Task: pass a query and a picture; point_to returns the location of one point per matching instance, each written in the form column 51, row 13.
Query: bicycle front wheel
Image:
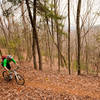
column 5, row 76
column 19, row 79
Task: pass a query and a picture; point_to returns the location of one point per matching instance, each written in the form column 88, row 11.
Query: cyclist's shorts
column 8, row 66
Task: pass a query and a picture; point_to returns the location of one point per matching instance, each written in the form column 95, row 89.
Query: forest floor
column 50, row 85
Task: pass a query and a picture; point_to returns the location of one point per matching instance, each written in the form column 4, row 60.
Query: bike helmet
column 9, row 57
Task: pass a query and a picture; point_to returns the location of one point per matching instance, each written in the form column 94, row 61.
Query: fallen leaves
column 50, row 85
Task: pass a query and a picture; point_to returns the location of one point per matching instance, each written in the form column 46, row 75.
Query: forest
column 56, row 45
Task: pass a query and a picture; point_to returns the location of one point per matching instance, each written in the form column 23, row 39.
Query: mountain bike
column 18, row 78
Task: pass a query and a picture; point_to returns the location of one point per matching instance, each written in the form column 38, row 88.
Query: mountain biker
column 6, row 62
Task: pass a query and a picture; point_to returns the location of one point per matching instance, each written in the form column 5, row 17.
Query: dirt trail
column 50, row 86
column 64, row 89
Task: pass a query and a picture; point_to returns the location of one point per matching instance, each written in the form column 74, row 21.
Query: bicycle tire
column 19, row 81
column 5, row 76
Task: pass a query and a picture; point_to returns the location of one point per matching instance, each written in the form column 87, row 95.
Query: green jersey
column 6, row 61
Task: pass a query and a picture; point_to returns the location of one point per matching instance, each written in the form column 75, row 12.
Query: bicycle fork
column 16, row 75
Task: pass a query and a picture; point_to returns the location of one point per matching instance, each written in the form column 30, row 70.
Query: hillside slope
column 50, row 86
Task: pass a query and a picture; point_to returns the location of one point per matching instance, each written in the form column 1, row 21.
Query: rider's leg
column 9, row 67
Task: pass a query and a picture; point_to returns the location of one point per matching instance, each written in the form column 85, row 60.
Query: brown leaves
column 51, row 85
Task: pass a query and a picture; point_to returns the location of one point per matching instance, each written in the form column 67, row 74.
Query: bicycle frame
column 15, row 73
column 19, row 79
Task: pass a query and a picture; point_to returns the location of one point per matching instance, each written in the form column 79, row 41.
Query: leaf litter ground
column 50, row 85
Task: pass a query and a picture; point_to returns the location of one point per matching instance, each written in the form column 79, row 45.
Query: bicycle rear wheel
column 6, row 76
column 19, row 79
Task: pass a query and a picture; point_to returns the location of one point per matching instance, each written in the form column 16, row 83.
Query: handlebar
column 15, row 69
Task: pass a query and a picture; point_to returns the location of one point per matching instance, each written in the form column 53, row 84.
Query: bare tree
column 69, row 36
column 35, row 37
column 58, row 35
column 78, row 36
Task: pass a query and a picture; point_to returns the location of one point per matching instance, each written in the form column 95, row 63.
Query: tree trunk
column 25, row 32
column 58, row 36
column 69, row 36
column 48, row 38
column 36, row 36
column 78, row 35
column 34, row 32
column 52, row 46
column 86, row 55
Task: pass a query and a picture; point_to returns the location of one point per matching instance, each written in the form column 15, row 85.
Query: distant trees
column 39, row 32
column 11, row 31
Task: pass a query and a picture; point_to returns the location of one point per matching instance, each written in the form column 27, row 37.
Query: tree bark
column 69, row 36
column 78, row 36
column 36, row 36
column 58, row 36
column 34, row 32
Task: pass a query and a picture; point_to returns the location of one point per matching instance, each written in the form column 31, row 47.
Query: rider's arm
column 7, row 69
column 5, row 64
column 13, row 60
